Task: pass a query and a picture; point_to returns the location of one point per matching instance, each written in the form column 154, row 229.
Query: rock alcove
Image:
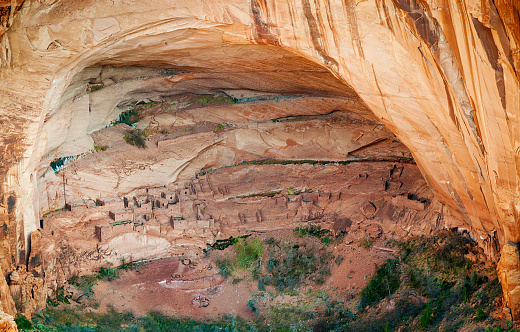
column 221, row 83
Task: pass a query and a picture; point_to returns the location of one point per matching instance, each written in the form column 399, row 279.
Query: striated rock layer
column 442, row 75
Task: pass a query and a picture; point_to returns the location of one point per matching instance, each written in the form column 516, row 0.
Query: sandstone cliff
column 442, row 75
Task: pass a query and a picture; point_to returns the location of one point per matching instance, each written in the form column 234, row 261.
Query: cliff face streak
column 442, row 75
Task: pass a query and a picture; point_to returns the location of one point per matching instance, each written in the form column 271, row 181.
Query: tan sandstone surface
column 440, row 75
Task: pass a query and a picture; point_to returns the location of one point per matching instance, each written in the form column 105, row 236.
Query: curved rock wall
column 442, row 75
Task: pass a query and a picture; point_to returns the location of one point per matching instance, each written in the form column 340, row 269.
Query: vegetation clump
column 133, row 114
column 23, row 323
column 93, row 87
column 128, row 117
column 58, row 163
column 429, row 285
column 384, row 283
column 290, row 267
column 72, row 320
column 214, row 100
column 57, row 210
column 225, row 267
column 223, row 244
column 311, row 230
column 248, row 254
column 135, row 138
column 456, row 291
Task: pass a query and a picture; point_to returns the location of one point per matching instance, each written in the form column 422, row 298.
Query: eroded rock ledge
column 443, row 77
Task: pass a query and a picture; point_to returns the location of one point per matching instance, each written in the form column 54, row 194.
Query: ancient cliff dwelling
column 298, row 165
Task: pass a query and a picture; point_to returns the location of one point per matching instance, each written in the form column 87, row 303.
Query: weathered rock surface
column 7, row 323
column 441, row 75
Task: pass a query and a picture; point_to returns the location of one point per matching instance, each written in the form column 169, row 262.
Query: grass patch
column 57, row 210
column 70, row 320
column 249, row 254
column 216, row 100
column 100, row 148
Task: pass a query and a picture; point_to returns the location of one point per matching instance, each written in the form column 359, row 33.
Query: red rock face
column 442, row 76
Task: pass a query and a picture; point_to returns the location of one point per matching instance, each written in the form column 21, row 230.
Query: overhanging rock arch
column 426, row 72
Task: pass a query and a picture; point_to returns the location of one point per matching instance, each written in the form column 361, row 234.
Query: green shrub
column 23, row 323
column 62, row 296
column 292, row 191
column 426, row 317
column 366, row 243
column 135, row 138
column 128, row 117
column 93, row 87
column 52, row 302
column 385, row 282
column 223, row 244
column 135, row 266
column 327, row 240
column 220, row 127
column 251, row 305
column 480, row 315
column 225, row 268
column 59, row 163
column 301, row 231
column 311, row 230
column 249, row 254
column 100, row 148
column 84, row 283
column 296, row 264
column 272, row 242
column 108, row 273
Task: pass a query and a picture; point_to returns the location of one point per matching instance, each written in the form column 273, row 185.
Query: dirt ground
column 169, row 286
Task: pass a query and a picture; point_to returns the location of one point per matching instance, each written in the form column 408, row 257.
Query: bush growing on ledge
column 384, row 283
column 23, row 323
column 110, row 273
column 128, row 117
column 294, row 264
column 249, row 254
column 136, row 138
column 100, row 148
column 225, row 268
column 84, row 283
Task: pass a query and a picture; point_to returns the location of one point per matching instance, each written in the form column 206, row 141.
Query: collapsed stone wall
column 443, row 76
